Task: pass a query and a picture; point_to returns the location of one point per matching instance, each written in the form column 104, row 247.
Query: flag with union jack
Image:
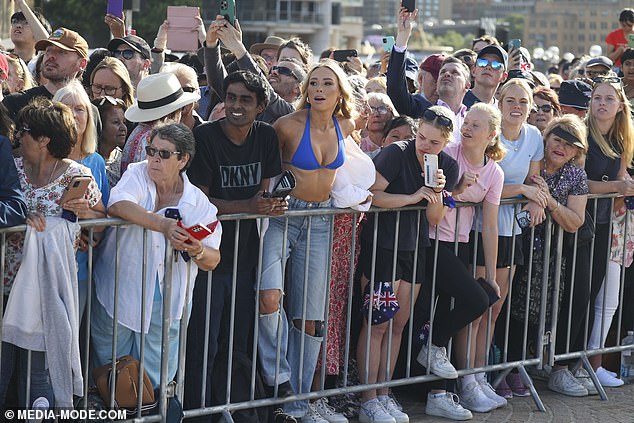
column 383, row 300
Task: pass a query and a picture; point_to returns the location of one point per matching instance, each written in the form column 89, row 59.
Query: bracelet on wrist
column 201, row 254
column 437, row 192
column 556, row 207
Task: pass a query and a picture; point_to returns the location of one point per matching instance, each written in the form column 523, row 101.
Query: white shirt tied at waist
column 194, row 207
column 354, row 179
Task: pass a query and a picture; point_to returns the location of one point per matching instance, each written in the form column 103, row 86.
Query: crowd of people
column 168, row 145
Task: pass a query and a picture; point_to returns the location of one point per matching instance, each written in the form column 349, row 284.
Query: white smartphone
column 431, row 167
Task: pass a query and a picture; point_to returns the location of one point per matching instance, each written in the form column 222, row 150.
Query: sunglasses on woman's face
column 163, row 154
column 431, row 116
column 495, row 65
column 545, row 108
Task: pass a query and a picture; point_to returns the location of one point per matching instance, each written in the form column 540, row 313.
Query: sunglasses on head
column 127, row 54
column 431, row 116
column 468, row 60
column 606, row 79
column 99, row 102
column 283, row 70
column 546, row 108
column 163, row 154
column 19, row 132
column 495, row 65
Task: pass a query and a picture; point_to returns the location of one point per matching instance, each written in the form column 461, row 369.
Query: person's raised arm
column 214, row 68
column 116, row 25
column 38, row 30
column 158, row 49
column 404, row 102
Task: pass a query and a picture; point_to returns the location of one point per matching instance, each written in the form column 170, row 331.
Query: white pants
column 611, row 287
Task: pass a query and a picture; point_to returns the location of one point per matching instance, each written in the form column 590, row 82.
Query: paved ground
column 559, row 408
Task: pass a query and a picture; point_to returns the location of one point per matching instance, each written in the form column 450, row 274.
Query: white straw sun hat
column 158, row 95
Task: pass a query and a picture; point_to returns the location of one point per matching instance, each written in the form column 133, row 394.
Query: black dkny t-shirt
column 235, row 172
column 398, row 164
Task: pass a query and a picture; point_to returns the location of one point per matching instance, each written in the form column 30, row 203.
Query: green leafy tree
column 86, row 17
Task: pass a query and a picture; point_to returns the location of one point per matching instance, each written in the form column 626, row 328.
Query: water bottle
column 627, row 359
column 40, row 404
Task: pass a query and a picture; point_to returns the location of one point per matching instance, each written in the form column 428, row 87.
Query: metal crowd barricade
column 544, row 338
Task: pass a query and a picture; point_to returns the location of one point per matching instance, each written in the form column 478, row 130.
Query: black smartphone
column 523, row 219
column 284, row 186
column 410, row 5
column 228, row 10
column 515, row 44
column 173, row 213
column 342, row 55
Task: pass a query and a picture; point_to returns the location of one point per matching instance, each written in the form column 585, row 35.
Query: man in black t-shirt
column 235, row 159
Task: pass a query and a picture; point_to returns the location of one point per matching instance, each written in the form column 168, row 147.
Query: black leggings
column 453, row 279
column 585, row 290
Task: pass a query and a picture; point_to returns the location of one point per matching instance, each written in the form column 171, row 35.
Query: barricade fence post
column 547, row 351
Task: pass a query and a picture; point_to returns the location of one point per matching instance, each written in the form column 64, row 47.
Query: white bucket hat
column 158, row 95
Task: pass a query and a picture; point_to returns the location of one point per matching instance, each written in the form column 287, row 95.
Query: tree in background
column 86, row 17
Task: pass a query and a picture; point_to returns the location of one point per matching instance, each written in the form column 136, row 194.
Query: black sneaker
column 279, row 416
column 284, row 390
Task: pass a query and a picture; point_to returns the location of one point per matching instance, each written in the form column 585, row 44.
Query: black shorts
column 384, row 271
column 504, row 250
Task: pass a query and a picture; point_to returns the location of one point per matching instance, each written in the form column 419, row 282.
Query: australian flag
column 384, row 303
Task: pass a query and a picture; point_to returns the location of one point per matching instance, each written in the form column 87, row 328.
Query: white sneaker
column 564, row 382
column 584, row 378
column 488, row 390
column 312, row 416
column 472, row 398
column 448, row 406
column 394, row 410
column 327, row 412
column 372, row 411
column 608, row 378
column 439, row 365
column 609, row 372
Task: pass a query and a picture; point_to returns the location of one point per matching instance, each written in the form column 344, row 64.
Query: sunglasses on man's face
column 127, row 54
column 163, row 154
column 431, row 116
column 283, row 70
column 495, row 65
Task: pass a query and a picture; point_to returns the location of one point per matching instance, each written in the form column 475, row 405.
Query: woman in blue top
column 84, row 152
column 323, row 117
column 525, row 150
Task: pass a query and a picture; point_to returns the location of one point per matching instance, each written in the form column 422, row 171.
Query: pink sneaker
column 504, row 390
column 514, row 381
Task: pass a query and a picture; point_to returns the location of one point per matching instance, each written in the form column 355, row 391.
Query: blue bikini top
column 304, row 157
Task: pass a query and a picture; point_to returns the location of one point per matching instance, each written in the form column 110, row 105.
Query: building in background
column 320, row 23
column 572, row 25
column 6, row 10
column 469, row 9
